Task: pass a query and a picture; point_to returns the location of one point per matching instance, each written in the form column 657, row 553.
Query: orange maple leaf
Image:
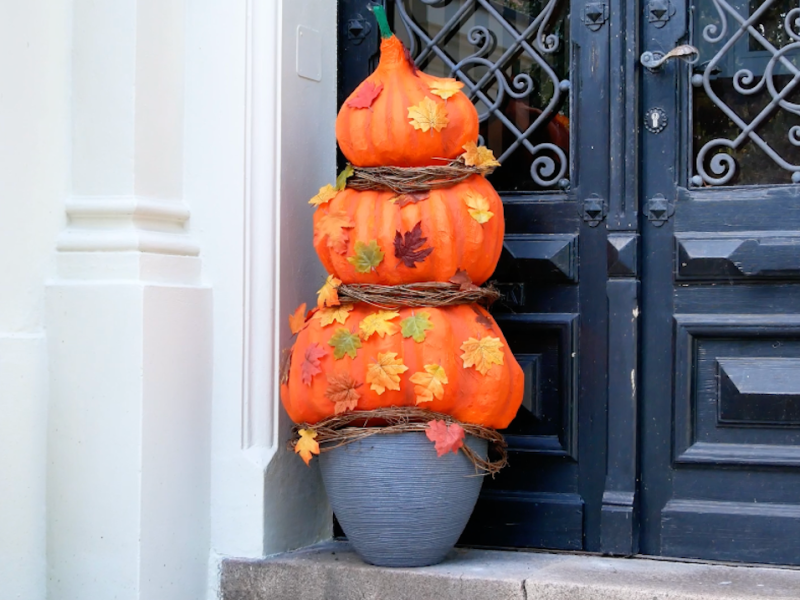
column 482, row 353
column 384, row 374
column 429, row 383
column 310, row 366
column 342, row 392
column 337, row 314
column 335, row 226
column 479, row 156
column 446, row 437
column 298, row 319
column 428, row 115
column 307, row 445
column 327, row 294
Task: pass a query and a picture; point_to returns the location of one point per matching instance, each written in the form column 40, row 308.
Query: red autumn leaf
column 463, row 279
column 365, row 95
column 410, row 198
column 446, row 437
column 482, row 318
column 310, row 366
column 408, row 247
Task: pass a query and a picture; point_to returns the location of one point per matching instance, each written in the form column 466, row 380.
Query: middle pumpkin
column 421, row 237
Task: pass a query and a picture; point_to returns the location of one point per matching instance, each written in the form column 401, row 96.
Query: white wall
column 34, row 175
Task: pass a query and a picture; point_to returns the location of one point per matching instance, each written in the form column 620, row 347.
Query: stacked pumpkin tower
column 356, row 356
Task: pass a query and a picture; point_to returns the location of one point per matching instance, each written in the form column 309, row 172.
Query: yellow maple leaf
column 306, row 446
column 338, row 314
column 327, row 294
column 430, row 383
column 482, row 353
column 478, row 206
column 385, row 373
column 326, row 194
column 379, row 323
column 428, row 115
column 445, row 87
column 298, row 319
column 335, row 226
column 478, row 156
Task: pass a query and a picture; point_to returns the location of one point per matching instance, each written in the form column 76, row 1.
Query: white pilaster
column 129, row 324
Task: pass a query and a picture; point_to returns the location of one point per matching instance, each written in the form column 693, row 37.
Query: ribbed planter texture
column 400, row 504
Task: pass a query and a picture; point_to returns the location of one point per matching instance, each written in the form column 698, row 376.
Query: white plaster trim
column 125, row 224
column 262, row 234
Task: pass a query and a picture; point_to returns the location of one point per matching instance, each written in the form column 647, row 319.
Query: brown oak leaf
column 463, row 279
column 342, row 392
column 446, row 437
column 365, row 95
column 410, row 198
column 310, row 366
column 286, row 362
column 408, row 247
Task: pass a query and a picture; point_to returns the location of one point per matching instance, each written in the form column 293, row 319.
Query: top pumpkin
column 402, row 117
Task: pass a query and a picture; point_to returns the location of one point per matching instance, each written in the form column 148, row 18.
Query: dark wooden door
column 652, row 285
column 720, row 381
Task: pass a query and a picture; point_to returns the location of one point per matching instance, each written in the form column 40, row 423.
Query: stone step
column 332, row 571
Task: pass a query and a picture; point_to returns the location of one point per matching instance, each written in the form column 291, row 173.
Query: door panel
column 720, row 437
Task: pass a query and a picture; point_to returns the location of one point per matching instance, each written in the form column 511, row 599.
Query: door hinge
column 659, row 12
column 659, row 210
column 594, row 210
column 595, row 14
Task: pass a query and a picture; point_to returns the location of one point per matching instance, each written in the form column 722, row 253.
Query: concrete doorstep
column 332, row 571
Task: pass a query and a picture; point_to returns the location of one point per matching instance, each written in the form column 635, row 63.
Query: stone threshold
column 332, row 571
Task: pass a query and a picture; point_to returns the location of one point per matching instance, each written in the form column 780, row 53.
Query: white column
column 129, row 323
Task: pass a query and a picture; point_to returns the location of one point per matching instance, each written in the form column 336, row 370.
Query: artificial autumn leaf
column 365, row 95
column 310, row 365
column 410, row 198
column 428, row 115
column 335, row 226
column 342, row 392
column 379, row 323
column 445, row 437
column 478, row 207
column 341, row 179
column 298, row 319
column 415, row 326
column 286, row 363
column 338, row 314
column 326, row 194
column 327, row 294
column 344, row 342
column 481, row 318
column 306, row 446
column 478, row 156
column 367, row 257
column 463, row 279
column 482, row 353
column 445, row 87
column 429, row 384
column 408, row 247
column 385, row 373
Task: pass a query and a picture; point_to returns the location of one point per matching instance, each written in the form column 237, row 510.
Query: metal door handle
column 653, row 61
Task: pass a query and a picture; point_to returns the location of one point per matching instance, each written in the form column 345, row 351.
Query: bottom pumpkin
column 452, row 360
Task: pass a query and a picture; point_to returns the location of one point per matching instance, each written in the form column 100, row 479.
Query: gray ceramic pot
column 400, row 504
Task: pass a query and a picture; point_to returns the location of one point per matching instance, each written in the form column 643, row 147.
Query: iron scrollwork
column 550, row 163
column 722, row 165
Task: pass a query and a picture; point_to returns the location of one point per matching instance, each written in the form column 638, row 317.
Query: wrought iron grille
column 513, row 58
column 747, row 98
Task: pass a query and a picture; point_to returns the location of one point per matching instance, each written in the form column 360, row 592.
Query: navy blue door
column 720, row 381
column 651, row 262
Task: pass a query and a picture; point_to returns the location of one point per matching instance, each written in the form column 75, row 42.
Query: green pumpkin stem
column 383, row 22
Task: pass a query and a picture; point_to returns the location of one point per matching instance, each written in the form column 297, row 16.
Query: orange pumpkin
column 453, row 231
column 374, row 128
column 380, row 367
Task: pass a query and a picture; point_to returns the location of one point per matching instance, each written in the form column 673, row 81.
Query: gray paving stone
column 332, row 571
